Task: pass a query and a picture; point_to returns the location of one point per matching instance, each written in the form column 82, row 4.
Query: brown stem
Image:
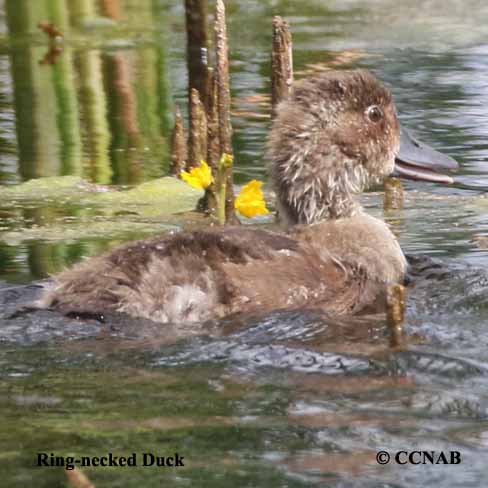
column 178, row 145
column 224, row 100
column 395, row 314
column 198, row 131
column 213, row 139
column 213, row 145
column 197, row 47
column 281, row 62
column 393, row 198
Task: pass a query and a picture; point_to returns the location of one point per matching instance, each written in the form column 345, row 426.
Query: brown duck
column 336, row 135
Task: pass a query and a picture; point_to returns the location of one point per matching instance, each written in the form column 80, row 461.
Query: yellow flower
column 250, row 201
column 199, row 177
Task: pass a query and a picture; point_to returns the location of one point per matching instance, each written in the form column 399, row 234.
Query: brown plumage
column 336, row 134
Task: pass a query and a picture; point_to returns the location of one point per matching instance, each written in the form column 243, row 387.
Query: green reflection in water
column 34, row 94
column 92, row 407
column 94, row 116
column 67, row 115
column 138, row 105
column 67, row 105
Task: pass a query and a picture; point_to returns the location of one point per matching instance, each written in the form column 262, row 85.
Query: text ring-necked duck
column 337, row 134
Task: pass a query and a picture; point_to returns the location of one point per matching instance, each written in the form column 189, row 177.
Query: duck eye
column 374, row 113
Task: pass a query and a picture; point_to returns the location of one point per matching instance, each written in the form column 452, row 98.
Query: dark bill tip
column 418, row 161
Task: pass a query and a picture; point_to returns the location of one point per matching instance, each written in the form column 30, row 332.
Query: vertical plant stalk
column 198, row 131
column 213, row 136
column 281, row 63
column 393, row 198
column 223, row 101
column 221, row 201
column 395, row 314
column 178, row 145
column 224, row 170
column 197, row 48
column 213, row 146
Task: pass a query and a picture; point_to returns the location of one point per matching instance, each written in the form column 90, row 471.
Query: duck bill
column 418, row 161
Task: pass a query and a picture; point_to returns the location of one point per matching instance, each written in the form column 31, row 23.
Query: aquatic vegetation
column 94, row 211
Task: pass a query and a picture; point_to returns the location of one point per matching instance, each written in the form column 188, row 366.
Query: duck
column 336, row 135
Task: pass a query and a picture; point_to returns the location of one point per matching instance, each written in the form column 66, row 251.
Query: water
column 292, row 399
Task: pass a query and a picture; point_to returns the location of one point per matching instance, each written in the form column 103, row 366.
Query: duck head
column 336, row 134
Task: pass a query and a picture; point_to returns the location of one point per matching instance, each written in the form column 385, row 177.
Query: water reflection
column 95, row 112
